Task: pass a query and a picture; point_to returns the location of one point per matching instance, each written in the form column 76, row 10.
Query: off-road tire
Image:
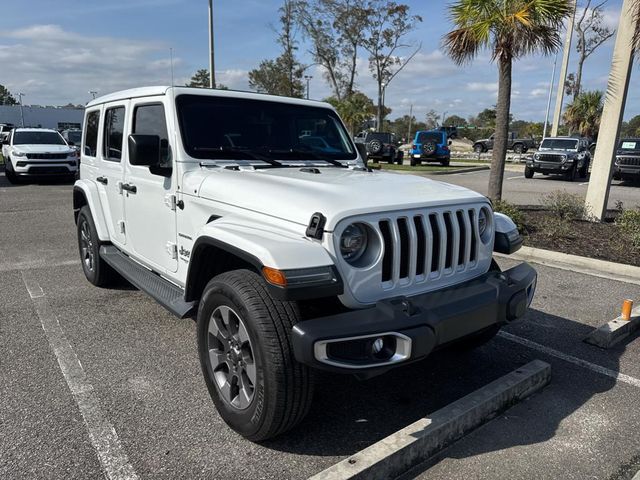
column 528, row 172
column 445, row 163
column 584, row 171
column 11, row 176
column 374, row 147
column 519, row 148
column 572, row 175
column 284, row 388
column 430, row 148
column 479, row 148
column 100, row 274
column 413, row 162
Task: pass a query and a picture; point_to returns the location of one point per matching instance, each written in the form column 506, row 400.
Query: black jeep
column 382, row 146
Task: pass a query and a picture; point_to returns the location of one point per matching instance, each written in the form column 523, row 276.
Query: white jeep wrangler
column 292, row 254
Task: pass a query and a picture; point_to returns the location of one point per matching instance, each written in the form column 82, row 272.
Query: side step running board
column 164, row 292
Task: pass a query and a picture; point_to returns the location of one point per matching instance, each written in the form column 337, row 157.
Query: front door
column 148, row 195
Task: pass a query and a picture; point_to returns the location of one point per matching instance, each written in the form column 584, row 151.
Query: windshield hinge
column 316, row 226
column 170, row 201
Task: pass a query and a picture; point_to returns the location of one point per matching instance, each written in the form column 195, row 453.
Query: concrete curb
column 394, row 455
column 615, row 331
column 574, row 263
column 462, row 170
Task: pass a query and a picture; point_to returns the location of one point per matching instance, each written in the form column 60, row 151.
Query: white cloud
column 491, row 87
column 52, row 65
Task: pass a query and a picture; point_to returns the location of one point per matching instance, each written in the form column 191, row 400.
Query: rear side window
column 424, row 137
column 150, row 120
column 113, row 132
column 91, row 136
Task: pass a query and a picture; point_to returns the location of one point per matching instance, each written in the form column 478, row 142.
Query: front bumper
column 410, row 328
column 550, row 167
column 626, row 170
column 27, row 167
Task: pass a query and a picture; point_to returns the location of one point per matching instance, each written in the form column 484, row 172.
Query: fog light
column 377, row 346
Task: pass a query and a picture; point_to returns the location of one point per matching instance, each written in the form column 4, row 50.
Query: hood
column 295, row 195
column 43, row 148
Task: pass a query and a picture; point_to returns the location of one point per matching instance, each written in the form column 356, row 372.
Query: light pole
column 93, row 93
column 553, row 77
column 563, row 70
column 308, row 78
column 380, row 122
column 444, row 116
column 212, row 68
column 20, row 95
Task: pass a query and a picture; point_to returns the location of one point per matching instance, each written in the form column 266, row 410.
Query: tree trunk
column 502, row 129
column 379, row 116
column 576, row 90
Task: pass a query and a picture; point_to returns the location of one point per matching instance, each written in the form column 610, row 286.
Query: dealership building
column 58, row 118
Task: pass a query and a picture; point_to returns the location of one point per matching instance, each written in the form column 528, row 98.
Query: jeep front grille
column 428, row 245
column 633, row 161
column 549, row 157
column 47, row 156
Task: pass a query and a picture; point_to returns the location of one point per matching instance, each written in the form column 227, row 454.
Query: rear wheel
column 478, row 148
column 256, row 384
column 445, row 163
column 518, row 148
column 528, row 172
column 414, row 162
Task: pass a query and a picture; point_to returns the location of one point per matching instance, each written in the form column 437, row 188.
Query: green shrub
column 511, row 211
column 565, row 206
column 629, row 222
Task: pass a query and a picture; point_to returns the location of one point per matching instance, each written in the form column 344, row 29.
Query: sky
column 57, row 52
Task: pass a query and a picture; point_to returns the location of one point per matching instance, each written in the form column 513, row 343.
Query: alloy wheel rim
column 231, row 356
column 86, row 247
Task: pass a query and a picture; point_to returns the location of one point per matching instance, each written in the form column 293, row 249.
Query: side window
column 113, row 132
column 150, row 120
column 91, row 135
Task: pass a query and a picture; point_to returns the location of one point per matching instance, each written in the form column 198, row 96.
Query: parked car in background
column 451, row 131
column 72, row 137
column 5, row 128
column 518, row 145
column 382, row 146
column 561, row 155
column 430, row 146
column 627, row 164
column 37, row 152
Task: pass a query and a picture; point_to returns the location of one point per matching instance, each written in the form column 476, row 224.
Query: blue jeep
column 430, row 146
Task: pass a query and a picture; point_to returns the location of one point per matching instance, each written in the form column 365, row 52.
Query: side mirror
column 362, row 150
column 144, row 150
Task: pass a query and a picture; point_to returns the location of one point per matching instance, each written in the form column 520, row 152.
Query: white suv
column 292, row 254
column 37, row 152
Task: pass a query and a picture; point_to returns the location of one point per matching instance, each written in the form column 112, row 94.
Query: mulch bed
column 604, row 241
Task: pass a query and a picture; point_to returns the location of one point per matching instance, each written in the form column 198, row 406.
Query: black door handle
column 103, row 180
column 129, row 188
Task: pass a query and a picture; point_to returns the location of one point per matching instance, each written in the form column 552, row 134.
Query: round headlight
column 353, row 242
column 482, row 222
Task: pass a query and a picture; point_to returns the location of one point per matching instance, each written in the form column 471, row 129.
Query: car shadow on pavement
column 348, row 415
column 4, row 183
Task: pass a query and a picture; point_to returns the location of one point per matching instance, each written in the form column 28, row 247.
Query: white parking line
column 512, row 178
column 103, row 436
column 13, row 266
column 571, row 359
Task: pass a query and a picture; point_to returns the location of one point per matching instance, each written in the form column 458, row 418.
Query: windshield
column 234, row 128
column 629, row 144
column 37, row 138
column 430, row 136
column 74, row 136
column 559, row 144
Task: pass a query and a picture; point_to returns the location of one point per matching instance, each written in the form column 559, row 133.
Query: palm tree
column 510, row 29
column 583, row 115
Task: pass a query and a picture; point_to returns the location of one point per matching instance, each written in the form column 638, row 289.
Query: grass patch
column 1, row 159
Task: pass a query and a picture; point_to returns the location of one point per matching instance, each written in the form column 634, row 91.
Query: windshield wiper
column 312, row 155
column 239, row 152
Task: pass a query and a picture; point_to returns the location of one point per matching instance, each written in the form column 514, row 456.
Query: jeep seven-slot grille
column 428, row 245
column 633, row 161
column 46, row 156
column 549, row 157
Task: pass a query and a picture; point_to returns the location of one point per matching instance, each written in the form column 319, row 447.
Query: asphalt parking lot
column 141, row 370
column 525, row 191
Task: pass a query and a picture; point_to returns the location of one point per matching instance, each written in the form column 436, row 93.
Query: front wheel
column 445, row 163
column 97, row 271
column 528, row 172
column 478, row 148
column 11, row 176
column 257, row 386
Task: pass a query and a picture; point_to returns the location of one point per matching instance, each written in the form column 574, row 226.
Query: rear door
column 150, row 195
column 110, row 168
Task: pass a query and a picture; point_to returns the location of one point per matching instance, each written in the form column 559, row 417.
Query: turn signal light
column 274, row 276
